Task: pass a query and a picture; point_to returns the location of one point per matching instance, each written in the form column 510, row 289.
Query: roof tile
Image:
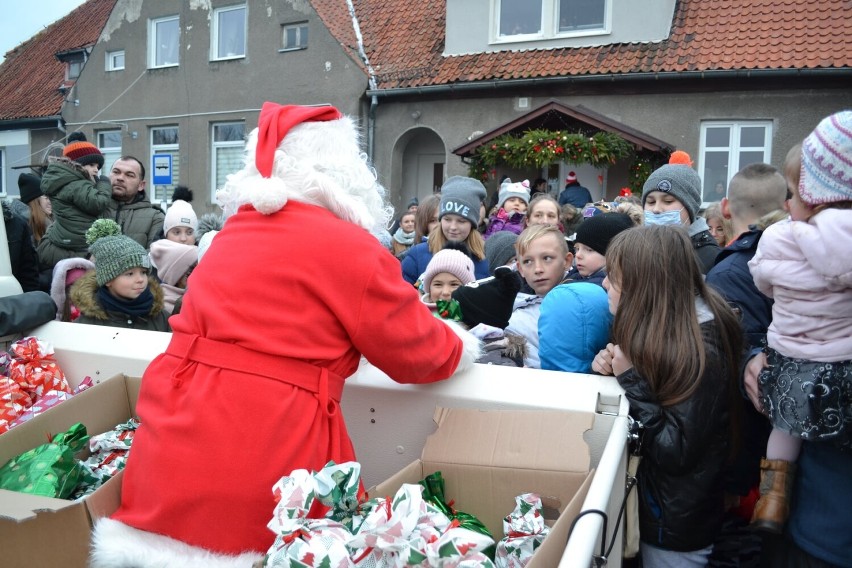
column 30, row 76
column 705, row 35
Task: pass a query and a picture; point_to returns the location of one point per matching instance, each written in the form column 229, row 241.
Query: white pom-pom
column 268, row 195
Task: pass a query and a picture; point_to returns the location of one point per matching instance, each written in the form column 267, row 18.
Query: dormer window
column 524, row 20
column 74, row 60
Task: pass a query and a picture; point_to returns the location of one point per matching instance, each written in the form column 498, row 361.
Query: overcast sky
column 22, row 19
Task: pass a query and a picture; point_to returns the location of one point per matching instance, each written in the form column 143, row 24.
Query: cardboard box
column 41, row 531
column 488, row 457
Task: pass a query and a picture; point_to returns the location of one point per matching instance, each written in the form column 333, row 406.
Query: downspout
column 374, row 100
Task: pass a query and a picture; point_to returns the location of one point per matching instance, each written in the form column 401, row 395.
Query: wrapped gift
column 300, row 540
column 109, row 453
column 44, row 403
column 50, row 470
column 525, row 531
column 32, row 373
column 409, row 531
column 433, row 492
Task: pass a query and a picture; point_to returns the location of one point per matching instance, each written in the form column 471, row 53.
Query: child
column 720, row 228
column 458, row 217
column 512, row 203
column 181, row 223
column 66, row 272
column 119, row 292
column 590, row 245
column 805, row 265
column 403, row 237
column 174, row 263
column 543, row 210
column 500, row 250
column 676, row 355
column 672, row 196
column 572, row 218
column 448, row 269
column 543, row 257
column 78, row 196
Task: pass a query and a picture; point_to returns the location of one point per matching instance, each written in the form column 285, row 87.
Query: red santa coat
column 279, row 312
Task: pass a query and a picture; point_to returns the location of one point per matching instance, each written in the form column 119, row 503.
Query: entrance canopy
column 554, row 115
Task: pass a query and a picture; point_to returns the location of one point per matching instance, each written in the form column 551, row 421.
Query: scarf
column 404, row 238
column 139, row 307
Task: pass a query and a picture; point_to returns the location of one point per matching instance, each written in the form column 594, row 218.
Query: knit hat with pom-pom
column 115, row 255
column 826, row 174
column 489, row 301
column 102, row 228
column 680, row 157
column 82, row 151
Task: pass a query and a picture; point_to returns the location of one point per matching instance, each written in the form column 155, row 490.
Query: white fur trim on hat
column 116, row 545
column 320, row 163
column 472, row 349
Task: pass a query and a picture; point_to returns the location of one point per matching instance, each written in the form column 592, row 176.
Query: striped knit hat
column 81, row 151
column 826, row 175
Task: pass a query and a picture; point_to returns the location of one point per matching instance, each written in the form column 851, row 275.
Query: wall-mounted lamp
column 415, row 115
column 134, row 135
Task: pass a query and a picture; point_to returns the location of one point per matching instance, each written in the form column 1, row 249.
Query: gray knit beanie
column 462, row 196
column 499, row 248
column 115, row 255
column 679, row 181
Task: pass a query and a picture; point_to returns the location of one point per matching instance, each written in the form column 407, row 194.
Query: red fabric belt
column 296, row 372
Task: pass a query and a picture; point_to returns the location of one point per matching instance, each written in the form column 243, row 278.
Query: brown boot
column 776, row 490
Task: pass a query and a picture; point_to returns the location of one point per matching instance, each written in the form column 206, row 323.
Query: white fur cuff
column 116, row 545
column 472, row 346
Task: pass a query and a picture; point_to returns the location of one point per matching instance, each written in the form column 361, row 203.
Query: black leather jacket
column 684, row 451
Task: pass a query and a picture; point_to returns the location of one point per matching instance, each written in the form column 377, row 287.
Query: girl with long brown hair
column 675, row 351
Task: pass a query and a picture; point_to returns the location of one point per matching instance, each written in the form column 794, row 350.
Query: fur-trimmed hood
column 84, row 295
column 60, row 273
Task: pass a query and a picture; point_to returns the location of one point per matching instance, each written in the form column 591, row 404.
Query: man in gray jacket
column 130, row 207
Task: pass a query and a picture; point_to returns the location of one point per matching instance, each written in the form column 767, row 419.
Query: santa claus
column 292, row 293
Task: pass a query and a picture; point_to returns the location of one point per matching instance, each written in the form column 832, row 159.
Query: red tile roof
column 404, row 41
column 30, row 76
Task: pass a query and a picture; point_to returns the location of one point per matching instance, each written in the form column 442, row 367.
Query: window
column 728, row 147
column 109, row 143
column 163, row 42
column 229, row 143
column 294, row 36
column 164, row 140
column 534, row 19
column 229, row 33
column 115, row 60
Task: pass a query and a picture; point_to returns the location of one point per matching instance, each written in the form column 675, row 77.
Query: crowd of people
column 95, row 242
column 726, row 325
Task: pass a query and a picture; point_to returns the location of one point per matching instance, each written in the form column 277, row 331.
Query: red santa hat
column 572, row 177
column 311, row 154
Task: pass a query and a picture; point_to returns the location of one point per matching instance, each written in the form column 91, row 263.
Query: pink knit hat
column 172, row 259
column 452, row 261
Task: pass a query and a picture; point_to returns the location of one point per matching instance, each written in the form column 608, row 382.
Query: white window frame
column 152, row 42
column 215, row 146
column 173, row 149
column 549, row 28
column 214, row 33
column 300, row 42
column 734, row 147
column 3, row 171
column 111, row 153
column 111, row 60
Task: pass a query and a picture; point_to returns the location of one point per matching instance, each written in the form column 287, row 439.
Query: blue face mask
column 664, row 218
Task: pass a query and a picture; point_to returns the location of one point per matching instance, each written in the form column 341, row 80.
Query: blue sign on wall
column 162, row 169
